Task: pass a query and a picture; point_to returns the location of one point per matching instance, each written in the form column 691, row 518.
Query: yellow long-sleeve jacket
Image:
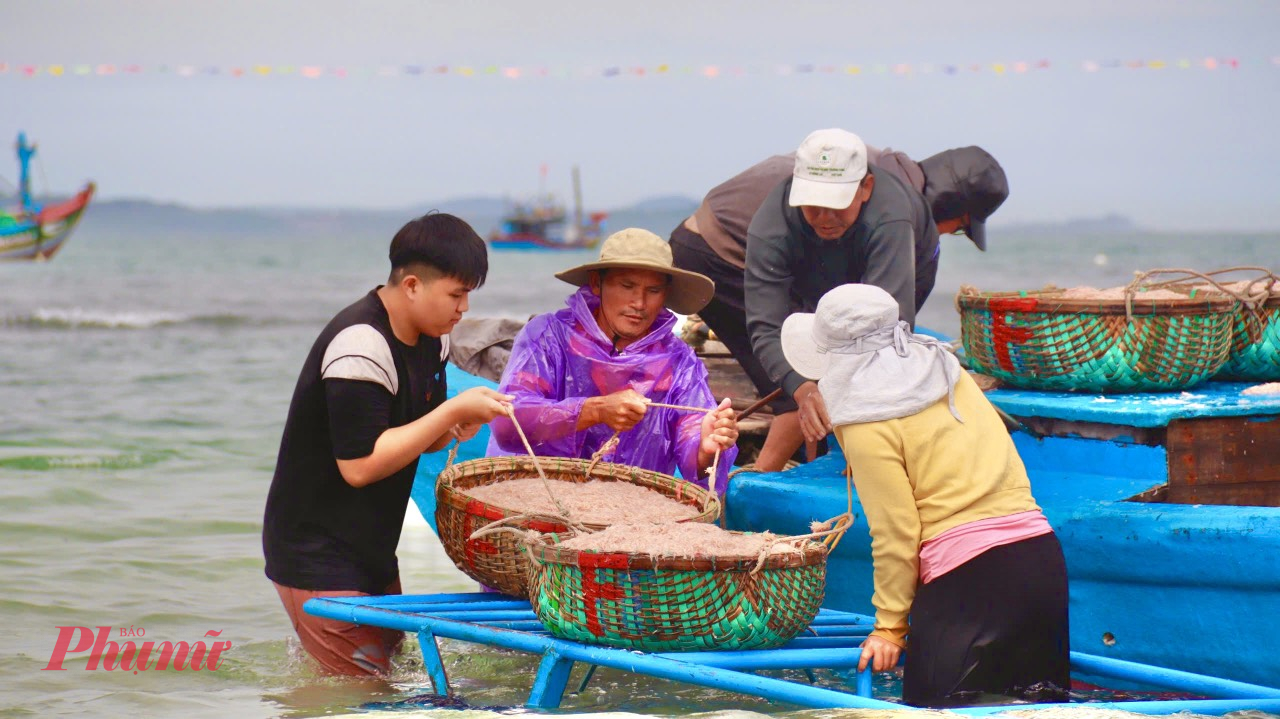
column 920, row 475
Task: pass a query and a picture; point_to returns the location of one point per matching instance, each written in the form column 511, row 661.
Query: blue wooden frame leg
column 586, row 677
column 432, row 662
column 864, row 682
column 553, row 676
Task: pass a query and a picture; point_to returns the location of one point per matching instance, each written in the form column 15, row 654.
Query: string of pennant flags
column 314, row 72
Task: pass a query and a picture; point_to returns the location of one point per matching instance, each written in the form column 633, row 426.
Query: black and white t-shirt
column 319, row 532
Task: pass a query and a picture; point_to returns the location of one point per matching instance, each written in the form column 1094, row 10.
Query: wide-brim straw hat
column 634, row 248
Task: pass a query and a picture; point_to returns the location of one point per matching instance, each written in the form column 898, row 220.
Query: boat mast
column 577, row 201
column 25, row 152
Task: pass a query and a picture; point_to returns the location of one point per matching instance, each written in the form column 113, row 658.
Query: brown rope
column 715, row 460
column 681, row 407
column 1251, row 299
column 712, row 495
column 536, row 464
column 608, row 446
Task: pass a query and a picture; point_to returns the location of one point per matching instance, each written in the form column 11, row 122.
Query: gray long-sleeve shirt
column 893, row 244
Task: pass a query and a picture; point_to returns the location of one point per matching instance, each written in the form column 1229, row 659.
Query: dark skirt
column 995, row 625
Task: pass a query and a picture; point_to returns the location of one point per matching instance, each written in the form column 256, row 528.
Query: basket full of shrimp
column 680, row 587
column 549, row 494
column 1255, row 333
column 1153, row 334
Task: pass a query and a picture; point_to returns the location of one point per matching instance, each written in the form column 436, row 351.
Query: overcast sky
column 1170, row 148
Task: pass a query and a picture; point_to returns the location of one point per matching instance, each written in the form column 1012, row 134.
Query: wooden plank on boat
column 1224, row 460
column 1050, row 427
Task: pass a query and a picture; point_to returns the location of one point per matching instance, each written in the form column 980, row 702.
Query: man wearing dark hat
column 593, row 370
column 962, row 187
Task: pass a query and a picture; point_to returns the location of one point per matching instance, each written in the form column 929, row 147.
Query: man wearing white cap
column 963, row 187
column 592, row 370
column 835, row 220
column 958, row 543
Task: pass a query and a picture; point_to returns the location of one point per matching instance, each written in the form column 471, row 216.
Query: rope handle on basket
column 1251, row 299
column 829, row 537
column 1257, row 291
column 522, row 535
column 538, row 465
column 712, row 496
column 608, row 446
column 612, row 442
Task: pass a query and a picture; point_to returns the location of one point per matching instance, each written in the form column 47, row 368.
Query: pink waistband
column 959, row 544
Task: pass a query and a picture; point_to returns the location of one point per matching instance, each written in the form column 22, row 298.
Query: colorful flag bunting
column 709, row 71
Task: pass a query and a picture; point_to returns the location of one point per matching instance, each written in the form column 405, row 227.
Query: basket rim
column 544, row 549
column 448, row 494
column 1049, row 302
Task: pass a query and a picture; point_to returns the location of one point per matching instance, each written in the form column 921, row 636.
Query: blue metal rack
column 831, row 642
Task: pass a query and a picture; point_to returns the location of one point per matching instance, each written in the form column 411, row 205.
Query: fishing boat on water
column 33, row 231
column 544, row 224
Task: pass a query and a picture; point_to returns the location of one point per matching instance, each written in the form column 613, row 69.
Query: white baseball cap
column 829, row 166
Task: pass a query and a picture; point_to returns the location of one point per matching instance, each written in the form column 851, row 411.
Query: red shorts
column 341, row 647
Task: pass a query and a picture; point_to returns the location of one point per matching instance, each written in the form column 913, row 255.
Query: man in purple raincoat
column 579, row 375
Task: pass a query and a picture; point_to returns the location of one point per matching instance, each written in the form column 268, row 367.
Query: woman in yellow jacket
column 969, row 576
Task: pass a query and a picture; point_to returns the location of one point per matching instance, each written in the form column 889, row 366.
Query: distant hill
column 492, row 206
column 659, row 213
column 467, row 206
column 663, row 203
column 130, row 216
column 1112, row 224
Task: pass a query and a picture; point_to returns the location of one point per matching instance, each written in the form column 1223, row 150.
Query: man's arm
column 534, row 378
column 691, row 389
column 367, row 450
column 396, row 447
column 767, row 281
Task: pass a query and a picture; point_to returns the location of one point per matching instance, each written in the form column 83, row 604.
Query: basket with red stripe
column 1043, row 340
column 664, row 603
column 498, row 560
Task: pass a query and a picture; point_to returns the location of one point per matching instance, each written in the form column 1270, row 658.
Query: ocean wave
column 56, row 461
column 78, row 318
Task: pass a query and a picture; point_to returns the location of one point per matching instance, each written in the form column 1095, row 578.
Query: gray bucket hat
column 634, row 248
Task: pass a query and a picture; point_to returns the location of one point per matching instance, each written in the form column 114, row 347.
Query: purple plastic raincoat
column 561, row 358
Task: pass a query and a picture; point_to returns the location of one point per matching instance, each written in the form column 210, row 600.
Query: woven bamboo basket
column 1255, row 340
column 498, row 560
column 673, row 604
column 1041, row 340
column 1255, row 332
column 1255, row 345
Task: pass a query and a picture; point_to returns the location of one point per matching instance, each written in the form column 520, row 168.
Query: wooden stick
column 750, row 410
column 755, row 406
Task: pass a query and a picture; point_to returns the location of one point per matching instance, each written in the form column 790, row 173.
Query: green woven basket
column 671, row 604
column 1255, row 344
column 1041, row 340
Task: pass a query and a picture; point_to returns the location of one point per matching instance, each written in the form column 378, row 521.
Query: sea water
column 144, row 379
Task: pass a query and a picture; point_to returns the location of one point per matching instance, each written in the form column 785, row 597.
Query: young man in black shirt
column 369, row 401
